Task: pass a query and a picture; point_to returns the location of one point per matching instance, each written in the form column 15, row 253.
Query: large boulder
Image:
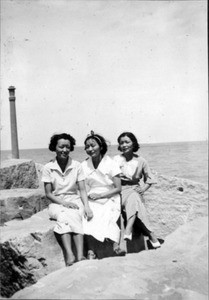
column 178, row 270
column 18, row 173
column 29, row 251
column 173, row 202
column 21, row 203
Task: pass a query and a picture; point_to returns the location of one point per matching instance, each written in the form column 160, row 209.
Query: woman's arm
column 116, row 190
column 49, row 194
column 54, row 199
column 147, row 178
column 84, row 198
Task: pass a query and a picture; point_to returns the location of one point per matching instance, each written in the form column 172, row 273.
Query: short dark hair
column 132, row 137
column 54, row 139
column 100, row 141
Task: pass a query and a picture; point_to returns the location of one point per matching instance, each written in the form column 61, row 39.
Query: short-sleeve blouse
column 63, row 182
column 135, row 169
column 102, row 177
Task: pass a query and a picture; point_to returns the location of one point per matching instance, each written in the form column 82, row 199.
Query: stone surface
column 168, row 208
column 18, row 173
column 178, row 270
column 21, row 203
column 39, row 168
column 29, row 251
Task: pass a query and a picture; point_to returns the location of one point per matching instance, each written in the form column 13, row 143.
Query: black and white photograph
column 104, row 149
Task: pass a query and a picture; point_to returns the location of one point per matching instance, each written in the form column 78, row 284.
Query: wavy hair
column 54, row 139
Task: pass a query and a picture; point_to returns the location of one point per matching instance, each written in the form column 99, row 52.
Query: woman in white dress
column 63, row 177
column 103, row 186
column 133, row 169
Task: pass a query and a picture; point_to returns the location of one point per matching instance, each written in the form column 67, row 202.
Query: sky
column 108, row 66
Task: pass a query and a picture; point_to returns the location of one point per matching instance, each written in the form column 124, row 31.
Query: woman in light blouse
column 133, row 169
column 103, row 186
column 63, row 179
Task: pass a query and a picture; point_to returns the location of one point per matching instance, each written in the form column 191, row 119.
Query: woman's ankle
column 80, row 256
column 69, row 259
column 153, row 237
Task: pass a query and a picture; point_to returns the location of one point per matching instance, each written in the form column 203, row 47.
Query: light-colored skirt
column 133, row 204
column 67, row 219
column 105, row 215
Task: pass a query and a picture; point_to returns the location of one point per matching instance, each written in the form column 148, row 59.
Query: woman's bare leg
column 67, row 248
column 146, row 231
column 78, row 240
column 129, row 225
column 153, row 237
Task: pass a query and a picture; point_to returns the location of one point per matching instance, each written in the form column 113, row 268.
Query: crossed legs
column 129, row 227
column 145, row 231
column 136, row 213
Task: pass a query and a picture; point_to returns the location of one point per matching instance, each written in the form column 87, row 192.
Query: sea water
column 184, row 159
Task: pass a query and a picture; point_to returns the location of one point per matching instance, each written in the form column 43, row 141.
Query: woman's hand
column 94, row 196
column 71, row 205
column 139, row 190
column 88, row 213
column 142, row 190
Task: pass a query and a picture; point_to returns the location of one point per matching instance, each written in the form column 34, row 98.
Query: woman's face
column 126, row 145
column 92, row 148
column 63, row 149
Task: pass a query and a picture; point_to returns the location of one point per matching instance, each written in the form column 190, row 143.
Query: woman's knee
column 54, row 210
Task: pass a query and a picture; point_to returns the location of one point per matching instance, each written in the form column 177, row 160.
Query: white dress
column 64, row 186
column 105, row 211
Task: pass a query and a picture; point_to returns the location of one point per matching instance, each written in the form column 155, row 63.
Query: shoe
column 127, row 236
column 82, row 258
column 91, row 255
column 119, row 252
column 155, row 244
column 70, row 263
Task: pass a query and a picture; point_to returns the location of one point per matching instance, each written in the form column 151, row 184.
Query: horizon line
column 157, row 143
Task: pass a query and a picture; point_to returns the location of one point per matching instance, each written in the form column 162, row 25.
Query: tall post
column 13, row 122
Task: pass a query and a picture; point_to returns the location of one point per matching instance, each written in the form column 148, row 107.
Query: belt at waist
column 123, row 182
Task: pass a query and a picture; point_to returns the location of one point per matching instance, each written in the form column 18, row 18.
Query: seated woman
column 62, row 178
column 103, row 187
column 133, row 168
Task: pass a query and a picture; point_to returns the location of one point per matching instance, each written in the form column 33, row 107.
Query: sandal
column 154, row 241
column 155, row 244
column 82, row 258
column 119, row 252
column 70, row 263
column 127, row 236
